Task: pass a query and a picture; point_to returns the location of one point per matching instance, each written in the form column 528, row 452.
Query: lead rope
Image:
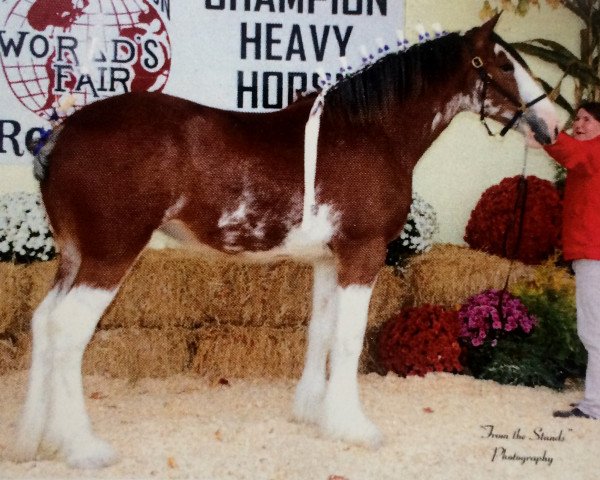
column 519, row 207
column 521, row 200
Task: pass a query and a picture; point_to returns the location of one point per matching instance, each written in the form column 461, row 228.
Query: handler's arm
column 570, row 153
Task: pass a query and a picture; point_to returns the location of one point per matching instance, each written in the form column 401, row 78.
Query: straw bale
column 11, row 301
column 161, row 291
column 130, row 353
column 449, row 274
column 390, row 294
column 8, row 356
column 21, row 290
column 212, row 351
column 176, row 288
column 239, row 351
column 276, row 295
column 180, row 288
column 139, row 352
column 39, row 278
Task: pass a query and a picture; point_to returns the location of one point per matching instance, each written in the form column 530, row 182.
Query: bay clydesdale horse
column 119, row 169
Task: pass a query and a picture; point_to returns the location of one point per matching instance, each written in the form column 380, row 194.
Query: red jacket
column 581, row 207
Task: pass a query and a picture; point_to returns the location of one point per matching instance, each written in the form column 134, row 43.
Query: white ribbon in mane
column 311, row 141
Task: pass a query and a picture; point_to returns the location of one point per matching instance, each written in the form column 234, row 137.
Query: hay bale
column 390, row 294
column 139, row 352
column 158, row 293
column 179, row 311
column 23, row 287
column 39, row 278
column 11, row 300
column 9, row 356
column 183, row 289
column 232, row 351
column 449, row 274
column 131, row 353
column 178, row 288
column 277, row 295
column 213, row 351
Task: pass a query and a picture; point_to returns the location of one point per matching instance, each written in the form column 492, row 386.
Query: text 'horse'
column 121, row 168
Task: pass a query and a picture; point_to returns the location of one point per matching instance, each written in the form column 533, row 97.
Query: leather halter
column 487, row 79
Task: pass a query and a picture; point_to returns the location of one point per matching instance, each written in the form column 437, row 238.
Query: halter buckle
column 477, row 62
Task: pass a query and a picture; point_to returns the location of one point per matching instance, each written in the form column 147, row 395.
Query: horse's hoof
column 305, row 413
column 356, row 429
column 92, row 454
column 308, row 404
column 24, row 449
column 21, row 452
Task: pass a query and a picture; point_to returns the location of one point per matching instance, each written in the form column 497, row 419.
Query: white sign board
column 232, row 54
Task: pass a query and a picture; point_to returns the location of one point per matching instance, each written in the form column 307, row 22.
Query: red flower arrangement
column 495, row 220
column 420, row 340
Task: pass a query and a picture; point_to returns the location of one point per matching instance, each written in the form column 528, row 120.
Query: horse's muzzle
column 542, row 132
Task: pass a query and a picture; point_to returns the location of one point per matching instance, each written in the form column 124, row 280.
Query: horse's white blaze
column 342, row 413
column 70, row 328
column 529, row 90
column 311, row 388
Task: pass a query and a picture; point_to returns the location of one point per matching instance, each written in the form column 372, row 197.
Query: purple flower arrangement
column 482, row 323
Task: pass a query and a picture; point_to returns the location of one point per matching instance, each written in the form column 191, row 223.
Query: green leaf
column 581, row 8
column 549, row 51
column 557, row 47
column 563, row 58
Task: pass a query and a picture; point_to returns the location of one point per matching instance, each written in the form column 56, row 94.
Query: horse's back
column 151, row 127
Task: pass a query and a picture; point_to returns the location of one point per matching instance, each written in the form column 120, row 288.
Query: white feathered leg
column 72, row 324
column 310, row 391
column 35, row 411
column 343, row 416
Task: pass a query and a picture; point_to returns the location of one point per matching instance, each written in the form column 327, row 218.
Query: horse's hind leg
column 311, row 388
column 33, row 419
column 73, row 322
column 63, row 421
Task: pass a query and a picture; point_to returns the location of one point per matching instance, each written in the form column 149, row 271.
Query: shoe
column 575, row 412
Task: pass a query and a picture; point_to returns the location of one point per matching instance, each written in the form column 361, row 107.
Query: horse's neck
column 418, row 123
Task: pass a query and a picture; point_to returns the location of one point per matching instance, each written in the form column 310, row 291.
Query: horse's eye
column 507, row 67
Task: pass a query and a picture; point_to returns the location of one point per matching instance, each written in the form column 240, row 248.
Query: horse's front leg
column 310, row 392
column 342, row 415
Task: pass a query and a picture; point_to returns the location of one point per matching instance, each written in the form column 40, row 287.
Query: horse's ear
column 482, row 35
column 491, row 23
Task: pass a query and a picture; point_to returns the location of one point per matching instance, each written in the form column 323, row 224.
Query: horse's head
column 505, row 89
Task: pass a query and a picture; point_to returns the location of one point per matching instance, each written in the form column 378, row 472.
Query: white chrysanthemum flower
column 421, row 226
column 24, row 231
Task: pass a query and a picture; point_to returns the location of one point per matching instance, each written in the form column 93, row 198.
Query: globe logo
column 82, row 49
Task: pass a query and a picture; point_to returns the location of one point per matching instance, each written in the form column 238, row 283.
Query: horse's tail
column 41, row 148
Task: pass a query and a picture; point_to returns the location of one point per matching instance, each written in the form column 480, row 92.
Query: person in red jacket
column 580, row 155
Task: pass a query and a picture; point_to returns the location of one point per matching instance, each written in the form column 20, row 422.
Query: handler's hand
column 530, row 141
